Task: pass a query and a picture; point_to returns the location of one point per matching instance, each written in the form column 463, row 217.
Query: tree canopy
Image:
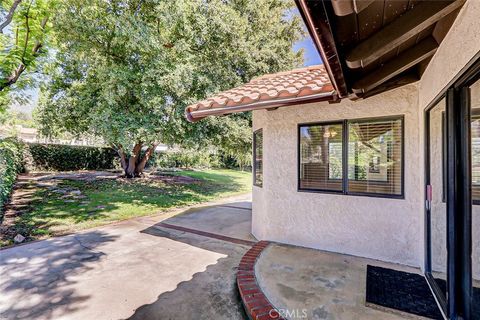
column 24, row 28
column 126, row 69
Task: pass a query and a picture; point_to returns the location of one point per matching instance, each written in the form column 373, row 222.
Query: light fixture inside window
column 329, row 133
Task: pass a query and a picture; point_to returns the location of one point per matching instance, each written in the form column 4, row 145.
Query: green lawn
column 75, row 205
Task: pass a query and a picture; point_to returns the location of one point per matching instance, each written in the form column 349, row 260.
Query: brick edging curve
column 254, row 300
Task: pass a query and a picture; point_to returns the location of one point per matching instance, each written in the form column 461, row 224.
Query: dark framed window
column 321, row 153
column 357, row 157
column 375, row 154
column 258, row 158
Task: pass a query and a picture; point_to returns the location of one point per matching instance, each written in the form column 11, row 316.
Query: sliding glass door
column 436, row 209
column 452, row 197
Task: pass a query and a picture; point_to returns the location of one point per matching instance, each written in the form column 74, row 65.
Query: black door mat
column 407, row 292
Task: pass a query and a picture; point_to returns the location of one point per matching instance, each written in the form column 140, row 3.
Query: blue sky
column 310, row 55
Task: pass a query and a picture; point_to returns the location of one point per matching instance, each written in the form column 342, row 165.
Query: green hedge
column 198, row 159
column 11, row 163
column 186, row 159
column 66, row 158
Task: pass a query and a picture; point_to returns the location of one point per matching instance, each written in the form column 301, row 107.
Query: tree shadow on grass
column 210, row 294
column 36, row 281
column 55, row 210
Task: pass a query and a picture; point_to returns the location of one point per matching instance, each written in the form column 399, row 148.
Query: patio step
column 254, row 300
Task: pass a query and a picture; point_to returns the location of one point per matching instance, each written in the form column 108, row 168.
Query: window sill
column 369, row 195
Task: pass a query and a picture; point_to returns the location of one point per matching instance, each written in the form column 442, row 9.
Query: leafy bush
column 189, row 158
column 66, row 157
column 11, row 163
column 186, row 158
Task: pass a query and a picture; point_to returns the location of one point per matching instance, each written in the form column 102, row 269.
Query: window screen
column 321, row 148
column 375, row 156
column 258, row 158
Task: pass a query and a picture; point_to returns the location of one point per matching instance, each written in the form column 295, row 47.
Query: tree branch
column 138, row 7
column 13, row 78
column 9, row 16
column 27, row 34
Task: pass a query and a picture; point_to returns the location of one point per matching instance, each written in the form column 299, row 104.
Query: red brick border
column 254, row 300
column 208, row 234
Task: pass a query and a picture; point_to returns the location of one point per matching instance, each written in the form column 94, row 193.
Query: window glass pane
column 321, row 148
column 375, row 156
column 437, row 217
column 258, row 158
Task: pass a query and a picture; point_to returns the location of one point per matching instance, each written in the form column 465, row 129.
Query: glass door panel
column 436, row 197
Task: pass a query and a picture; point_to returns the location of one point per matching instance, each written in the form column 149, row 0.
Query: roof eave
column 193, row 116
column 322, row 37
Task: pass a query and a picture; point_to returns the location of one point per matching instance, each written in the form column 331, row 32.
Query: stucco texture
column 386, row 229
column 379, row 228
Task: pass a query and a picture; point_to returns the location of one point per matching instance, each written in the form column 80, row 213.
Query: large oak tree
column 126, row 69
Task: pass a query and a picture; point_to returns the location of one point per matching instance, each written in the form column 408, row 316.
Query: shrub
column 186, row 158
column 66, row 158
column 11, row 163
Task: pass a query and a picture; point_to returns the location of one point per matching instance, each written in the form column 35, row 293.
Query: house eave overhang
column 372, row 46
column 194, row 116
column 322, row 36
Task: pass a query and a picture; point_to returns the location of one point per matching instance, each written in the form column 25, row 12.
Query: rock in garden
column 19, row 238
column 60, row 190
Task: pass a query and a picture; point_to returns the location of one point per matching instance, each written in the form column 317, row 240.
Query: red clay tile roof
column 307, row 84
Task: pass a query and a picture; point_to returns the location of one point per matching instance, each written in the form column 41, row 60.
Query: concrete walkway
column 304, row 283
column 134, row 269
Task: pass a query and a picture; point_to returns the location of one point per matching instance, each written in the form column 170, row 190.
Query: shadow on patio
column 36, row 280
column 212, row 293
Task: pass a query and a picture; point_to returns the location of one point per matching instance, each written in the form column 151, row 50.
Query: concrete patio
column 314, row 284
column 180, row 265
column 133, row 269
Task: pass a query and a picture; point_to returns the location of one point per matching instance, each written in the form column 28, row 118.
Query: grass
column 75, row 205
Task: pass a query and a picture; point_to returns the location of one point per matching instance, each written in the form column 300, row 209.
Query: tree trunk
column 141, row 164
column 134, row 165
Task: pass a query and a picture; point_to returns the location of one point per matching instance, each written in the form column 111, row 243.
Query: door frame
column 457, row 176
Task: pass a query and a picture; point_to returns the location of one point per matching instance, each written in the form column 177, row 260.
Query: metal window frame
column 299, row 156
column 345, row 126
column 254, row 154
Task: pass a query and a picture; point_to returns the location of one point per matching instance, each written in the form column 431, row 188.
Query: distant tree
column 13, row 117
column 126, row 69
column 24, row 26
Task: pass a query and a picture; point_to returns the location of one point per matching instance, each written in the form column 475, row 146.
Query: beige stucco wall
column 386, row 229
column 380, row 228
